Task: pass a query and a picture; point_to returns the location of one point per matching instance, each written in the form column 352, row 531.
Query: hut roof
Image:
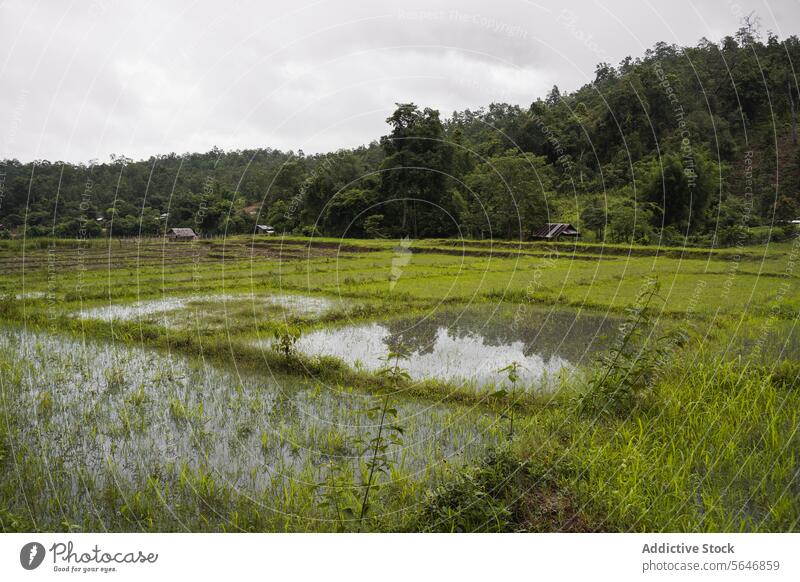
column 555, row 229
column 181, row 232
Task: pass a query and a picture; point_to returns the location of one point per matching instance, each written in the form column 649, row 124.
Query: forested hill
column 697, row 142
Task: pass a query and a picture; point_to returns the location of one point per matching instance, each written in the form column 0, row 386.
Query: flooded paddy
column 469, row 347
column 94, row 424
column 211, row 310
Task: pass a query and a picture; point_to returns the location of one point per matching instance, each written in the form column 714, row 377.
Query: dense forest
column 695, row 144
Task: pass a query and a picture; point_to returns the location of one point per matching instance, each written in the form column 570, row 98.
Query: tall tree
column 680, row 187
column 508, row 195
column 416, row 172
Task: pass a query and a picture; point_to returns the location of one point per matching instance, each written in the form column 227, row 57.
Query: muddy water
column 469, row 347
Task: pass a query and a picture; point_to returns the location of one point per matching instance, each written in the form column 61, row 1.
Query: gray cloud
column 80, row 81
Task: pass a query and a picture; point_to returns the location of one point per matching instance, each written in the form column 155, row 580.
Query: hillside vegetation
column 682, row 145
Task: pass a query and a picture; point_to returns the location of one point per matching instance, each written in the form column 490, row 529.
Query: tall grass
column 716, row 451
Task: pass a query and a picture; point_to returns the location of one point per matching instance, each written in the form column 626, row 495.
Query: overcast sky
column 82, row 80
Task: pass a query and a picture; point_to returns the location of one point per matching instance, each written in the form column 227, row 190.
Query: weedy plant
column 285, row 340
column 480, row 498
column 512, row 377
column 338, row 490
column 338, row 493
column 627, row 372
column 390, row 433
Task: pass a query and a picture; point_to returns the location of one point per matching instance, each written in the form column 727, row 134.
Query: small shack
column 181, row 234
column 555, row 230
column 264, row 229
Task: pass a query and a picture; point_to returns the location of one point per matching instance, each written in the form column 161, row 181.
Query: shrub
column 478, row 499
column 285, row 340
column 628, row 370
column 786, row 374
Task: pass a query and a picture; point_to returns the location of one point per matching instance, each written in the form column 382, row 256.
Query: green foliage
column 9, row 308
column 390, row 434
column 353, row 504
column 478, row 499
column 630, row 223
column 628, row 370
column 285, row 339
column 373, row 226
column 678, row 135
column 345, row 212
column 680, row 187
column 512, row 377
column 415, row 171
column 45, row 404
column 338, row 493
column 508, row 194
column 786, row 374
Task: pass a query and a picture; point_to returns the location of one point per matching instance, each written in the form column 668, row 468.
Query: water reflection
column 470, row 346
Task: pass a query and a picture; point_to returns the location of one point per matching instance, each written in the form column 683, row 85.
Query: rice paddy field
column 294, row 384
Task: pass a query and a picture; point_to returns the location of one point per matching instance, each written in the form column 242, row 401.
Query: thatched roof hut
column 181, row 234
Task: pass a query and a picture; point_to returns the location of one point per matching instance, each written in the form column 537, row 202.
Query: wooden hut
column 181, row 234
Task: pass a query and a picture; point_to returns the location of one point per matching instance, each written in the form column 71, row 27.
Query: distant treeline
column 697, row 141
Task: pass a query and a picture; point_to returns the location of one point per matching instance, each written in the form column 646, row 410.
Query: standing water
column 469, row 347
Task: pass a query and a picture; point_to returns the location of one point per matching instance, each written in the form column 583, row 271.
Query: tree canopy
column 687, row 140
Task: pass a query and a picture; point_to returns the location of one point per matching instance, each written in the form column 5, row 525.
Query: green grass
column 713, row 447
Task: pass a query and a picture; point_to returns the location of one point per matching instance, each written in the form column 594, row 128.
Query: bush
column 778, row 234
column 285, row 339
column 508, row 491
column 631, row 225
column 477, row 500
column 373, row 226
column 734, row 235
column 786, row 374
column 671, row 237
